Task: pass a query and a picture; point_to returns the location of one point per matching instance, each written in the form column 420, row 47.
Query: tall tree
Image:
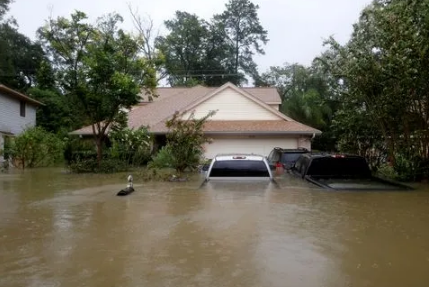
column 4, row 7
column 20, row 58
column 245, row 36
column 98, row 66
column 148, row 34
column 184, row 48
column 305, row 95
column 384, row 71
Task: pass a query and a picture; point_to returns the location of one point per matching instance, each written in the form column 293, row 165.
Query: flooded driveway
column 58, row 229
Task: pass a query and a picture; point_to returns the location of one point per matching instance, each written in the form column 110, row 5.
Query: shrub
column 185, row 140
column 35, row 147
column 163, row 159
column 155, row 174
column 92, row 166
column 77, row 149
column 131, row 146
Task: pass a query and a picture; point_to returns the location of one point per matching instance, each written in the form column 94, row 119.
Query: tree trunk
column 99, row 144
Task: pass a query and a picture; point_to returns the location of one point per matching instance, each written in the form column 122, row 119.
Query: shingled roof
column 19, row 96
column 154, row 114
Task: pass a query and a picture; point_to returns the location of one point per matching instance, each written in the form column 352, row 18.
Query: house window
column 22, row 108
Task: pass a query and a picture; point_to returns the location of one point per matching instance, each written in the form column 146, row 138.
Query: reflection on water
column 58, row 229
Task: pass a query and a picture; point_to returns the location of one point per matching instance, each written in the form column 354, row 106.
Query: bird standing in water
column 130, row 181
column 129, row 187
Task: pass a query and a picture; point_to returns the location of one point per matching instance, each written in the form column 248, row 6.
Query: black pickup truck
column 341, row 172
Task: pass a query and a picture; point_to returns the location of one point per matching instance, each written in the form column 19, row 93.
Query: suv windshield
column 239, row 168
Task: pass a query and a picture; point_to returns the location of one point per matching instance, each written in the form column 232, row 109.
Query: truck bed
column 371, row 183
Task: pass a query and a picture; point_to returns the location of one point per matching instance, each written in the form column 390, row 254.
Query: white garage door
column 262, row 146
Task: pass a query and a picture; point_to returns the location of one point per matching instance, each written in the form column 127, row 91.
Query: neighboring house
column 247, row 119
column 17, row 112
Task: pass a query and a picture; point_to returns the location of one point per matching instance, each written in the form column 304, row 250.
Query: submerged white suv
column 234, row 166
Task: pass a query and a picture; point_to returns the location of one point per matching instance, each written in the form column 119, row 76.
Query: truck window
column 239, row 168
column 298, row 164
column 290, row 157
column 331, row 166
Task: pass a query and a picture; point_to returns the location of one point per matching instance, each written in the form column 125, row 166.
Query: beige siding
column 248, row 144
column 305, row 142
column 231, row 105
column 274, row 106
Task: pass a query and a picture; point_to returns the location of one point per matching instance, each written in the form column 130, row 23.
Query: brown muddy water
column 58, row 229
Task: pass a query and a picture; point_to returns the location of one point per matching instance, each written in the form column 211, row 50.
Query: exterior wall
column 248, row 144
column 231, row 105
column 305, row 142
column 10, row 118
column 276, row 107
column 1, row 149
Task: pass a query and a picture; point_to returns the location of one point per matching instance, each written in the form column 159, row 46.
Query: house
column 247, row 119
column 17, row 112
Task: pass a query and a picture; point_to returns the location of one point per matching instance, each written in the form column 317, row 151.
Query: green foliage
column 383, row 72
column 93, row 166
column 163, row 159
column 131, row 146
column 55, row 116
column 185, row 140
column 306, row 96
column 98, row 66
column 4, row 7
column 35, row 148
column 77, row 149
column 155, row 174
column 212, row 53
column 19, row 58
column 184, row 48
column 387, row 171
column 244, row 36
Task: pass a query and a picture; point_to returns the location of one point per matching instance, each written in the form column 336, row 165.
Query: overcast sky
column 296, row 28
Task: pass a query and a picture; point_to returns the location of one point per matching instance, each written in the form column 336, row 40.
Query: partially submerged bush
column 185, row 140
column 131, row 146
column 92, row 166
column 163, row 159
column 35, row 147
column 155, row 174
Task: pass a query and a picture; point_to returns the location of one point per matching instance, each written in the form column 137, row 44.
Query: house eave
column 20, row 96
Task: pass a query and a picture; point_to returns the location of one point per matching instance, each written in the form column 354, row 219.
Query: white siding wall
column 1, row 148
column 10, row 119
column 248, row 144
column 231, row 105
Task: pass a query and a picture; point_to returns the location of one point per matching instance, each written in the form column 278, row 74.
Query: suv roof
column 299, row 149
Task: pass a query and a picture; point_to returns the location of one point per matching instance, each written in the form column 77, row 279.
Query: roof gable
column 252, row 107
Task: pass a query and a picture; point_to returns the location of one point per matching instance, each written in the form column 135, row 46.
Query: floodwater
column 58, row 229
